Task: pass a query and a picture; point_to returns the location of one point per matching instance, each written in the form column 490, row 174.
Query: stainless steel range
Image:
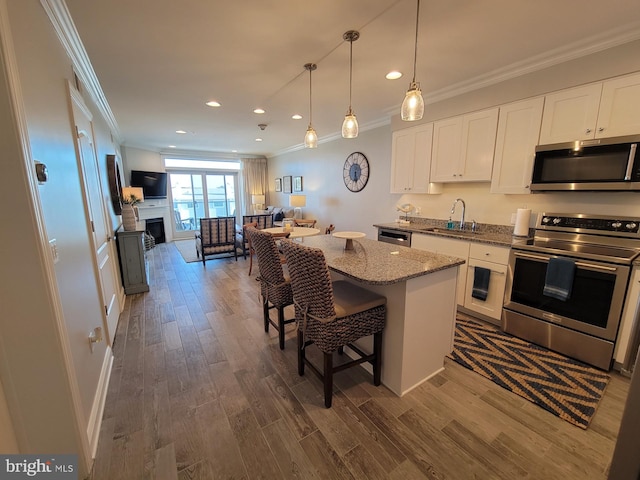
column 584, row 325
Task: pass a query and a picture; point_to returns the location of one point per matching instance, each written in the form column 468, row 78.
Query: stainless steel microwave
column 602, row 164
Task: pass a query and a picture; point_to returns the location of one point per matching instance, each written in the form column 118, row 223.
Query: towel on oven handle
column 481, row 277
column 559, row 279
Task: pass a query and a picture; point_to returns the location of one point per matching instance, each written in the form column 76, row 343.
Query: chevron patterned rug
column 563, row 386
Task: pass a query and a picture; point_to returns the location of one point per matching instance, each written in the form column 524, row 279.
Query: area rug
column 563, row 386
column 187, row 249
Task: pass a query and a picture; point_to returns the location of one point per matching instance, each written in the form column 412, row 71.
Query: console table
column 133, row 261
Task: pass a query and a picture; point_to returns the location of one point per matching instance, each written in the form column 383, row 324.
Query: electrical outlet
column 53, row 245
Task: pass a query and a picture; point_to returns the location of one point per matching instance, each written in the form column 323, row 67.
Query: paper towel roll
column 521, row 228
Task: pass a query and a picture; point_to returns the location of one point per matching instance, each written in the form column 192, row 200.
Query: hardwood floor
column 199, row 391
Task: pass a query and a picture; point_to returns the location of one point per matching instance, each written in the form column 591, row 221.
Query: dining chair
column 275, row 288
column 246, row 243
column 329, row 229
column 261, row 221
column 216, row 235
column 332, row 315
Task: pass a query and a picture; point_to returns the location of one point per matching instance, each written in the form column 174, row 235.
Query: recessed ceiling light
column 258, row 139
column 181, row 132
column 259, row 111
column 172, row 146
column 393, row 75
column 234, row 151
column 213, row 103
column 297, row 116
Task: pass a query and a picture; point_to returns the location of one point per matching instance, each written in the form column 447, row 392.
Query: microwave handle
column 632, row 156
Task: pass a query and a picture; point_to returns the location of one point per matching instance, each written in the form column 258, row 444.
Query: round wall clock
column 356, row 171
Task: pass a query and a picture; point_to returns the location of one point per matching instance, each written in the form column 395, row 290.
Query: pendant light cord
column 310, row 110
column 350, row 71
column 415, row 53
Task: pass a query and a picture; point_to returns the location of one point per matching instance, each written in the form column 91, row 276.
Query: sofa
column 280, row 213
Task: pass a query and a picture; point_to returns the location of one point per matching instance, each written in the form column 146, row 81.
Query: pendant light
column 311, row 137
column 413, row 104
column 350, row 124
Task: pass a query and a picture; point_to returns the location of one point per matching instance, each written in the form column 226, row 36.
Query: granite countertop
column 379, row 263
column 500, row 235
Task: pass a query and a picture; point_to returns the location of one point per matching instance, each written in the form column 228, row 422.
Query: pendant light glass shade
column 413, row 104
column 311, row 137
column 350, row 123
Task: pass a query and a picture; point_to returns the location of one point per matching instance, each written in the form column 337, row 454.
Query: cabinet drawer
column 489, row 253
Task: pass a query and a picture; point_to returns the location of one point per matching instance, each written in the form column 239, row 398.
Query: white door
column 105, row 262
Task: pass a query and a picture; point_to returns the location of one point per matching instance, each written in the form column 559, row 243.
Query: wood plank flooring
column 199, row 391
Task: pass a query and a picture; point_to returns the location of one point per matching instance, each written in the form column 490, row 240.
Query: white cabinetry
column 475, row 254
column 605, row 109
column 495, row 259
column 446, row 246
column 411, row 160
column 463, row 147
column 516, row 140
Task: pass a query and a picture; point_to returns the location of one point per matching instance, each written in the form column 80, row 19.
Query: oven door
column 596, row 301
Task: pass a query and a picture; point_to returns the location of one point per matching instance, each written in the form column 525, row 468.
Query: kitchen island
column 420, row 288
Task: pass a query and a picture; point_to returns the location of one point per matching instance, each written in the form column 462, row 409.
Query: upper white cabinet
column 411, row 160
column 463, row 147
column 605, row 109
column 518, row 131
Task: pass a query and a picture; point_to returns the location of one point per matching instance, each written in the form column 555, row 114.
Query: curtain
column 254, row 180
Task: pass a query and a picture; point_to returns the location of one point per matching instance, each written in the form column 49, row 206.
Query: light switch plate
column 53, row 245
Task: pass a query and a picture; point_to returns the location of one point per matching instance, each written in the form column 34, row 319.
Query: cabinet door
column 402, row 154
column 570, row 115
column 492, row 306
column 629, row 319
column 446, row 246
column 411, row 160
column 619, row 107
column 478, row 145
column 516, row 140
column 445, row 165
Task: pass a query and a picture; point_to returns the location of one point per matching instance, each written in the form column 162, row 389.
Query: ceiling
column 159, row 61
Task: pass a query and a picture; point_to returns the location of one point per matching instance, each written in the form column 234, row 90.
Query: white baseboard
column 95, row 419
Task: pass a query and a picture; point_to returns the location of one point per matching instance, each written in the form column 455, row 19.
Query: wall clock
column 356, row 171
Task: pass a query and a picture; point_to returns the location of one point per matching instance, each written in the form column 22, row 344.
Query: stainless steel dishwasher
column 398, row 237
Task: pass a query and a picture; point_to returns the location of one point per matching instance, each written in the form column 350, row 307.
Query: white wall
column 329, row 201
column 49, row 375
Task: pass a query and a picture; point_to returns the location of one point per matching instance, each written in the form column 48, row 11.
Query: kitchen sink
column 453, row 233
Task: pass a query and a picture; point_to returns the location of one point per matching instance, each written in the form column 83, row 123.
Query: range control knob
column 630, row 226
column 616, row 224
column 545, row 219
column 556, row 221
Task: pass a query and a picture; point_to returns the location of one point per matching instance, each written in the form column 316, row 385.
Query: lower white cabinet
column 446, row 246
column 495, row 259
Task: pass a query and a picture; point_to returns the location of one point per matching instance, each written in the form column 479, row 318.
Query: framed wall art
column 297, row 184
column 278, row 184
column 286, row 181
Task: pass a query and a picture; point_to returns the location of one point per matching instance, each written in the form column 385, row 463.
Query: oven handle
column 591, row 266
column 490, row 269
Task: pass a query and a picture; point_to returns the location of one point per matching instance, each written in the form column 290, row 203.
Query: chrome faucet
column 453, row 209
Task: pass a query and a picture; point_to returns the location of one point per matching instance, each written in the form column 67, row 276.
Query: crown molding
column 590, row 45
column 334, row 136
column 65, row 29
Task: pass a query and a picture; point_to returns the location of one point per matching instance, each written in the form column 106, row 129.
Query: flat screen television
column 154, row 184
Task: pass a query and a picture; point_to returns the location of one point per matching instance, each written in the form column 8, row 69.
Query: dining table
column 295, row 232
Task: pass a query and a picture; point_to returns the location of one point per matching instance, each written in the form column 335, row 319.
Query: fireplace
column 155, row 226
